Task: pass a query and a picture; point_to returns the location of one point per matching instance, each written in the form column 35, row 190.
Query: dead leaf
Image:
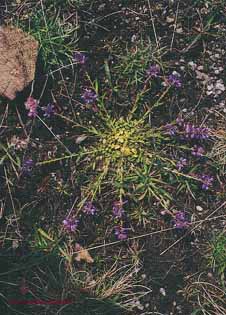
column 43, row 187
column 83, row 254
column 80, row 139
column 18, row 55
column 179, row 30
column 170, row 19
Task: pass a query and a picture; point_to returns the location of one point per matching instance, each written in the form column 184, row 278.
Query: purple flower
column 170, row 129
column 193, row 132
column 174, row 79
column 79, row 58
column 190, row 130
column 181, row 163
column 197, row 151
column 180, row 121
column 32, row 113
column 202, row 133
column 120, row 233
column 207, row 181
column 89, row 96
column 31, row 104
column 117, row 209
column 70, row 224
column 89, row 208
column 27, row 166
column 153, row 71
column 49, row 110
column 180, row 221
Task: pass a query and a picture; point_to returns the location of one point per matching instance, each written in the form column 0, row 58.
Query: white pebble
column 199, row 208
column 162, row 291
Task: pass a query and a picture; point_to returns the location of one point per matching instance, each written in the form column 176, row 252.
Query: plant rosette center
column 119, row 143
column 122, row 140
column 128, row 140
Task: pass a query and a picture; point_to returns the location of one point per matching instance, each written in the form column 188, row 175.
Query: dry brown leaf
column 18, row 55
column 83, row 254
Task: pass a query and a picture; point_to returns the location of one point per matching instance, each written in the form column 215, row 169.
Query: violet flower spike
column 32, row 113
column 89, row 96
column 193, row 132
column 207, row 181
column 202, row 133
column 89, row 208
column 197, row 151
column 190, row 130
column 180, row 121
column 117, row 209
column 180, row 221
column 48, row 110
column 70, row 224
column 27, row 166
column 170, row 129
column 174, row 79
column 181, row 163
column 120, row 233
column 79, row 58
column 153, row 71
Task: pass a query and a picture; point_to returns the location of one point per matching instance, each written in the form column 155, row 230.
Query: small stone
column 101, row 7
column 133, row 38
column 209, row 275
column 15, row 244
column 140, row 307
column 162, row 291
column 179, row 30
column 192, row 65
column 199, row 208
column 220, row 86
column 210, row 87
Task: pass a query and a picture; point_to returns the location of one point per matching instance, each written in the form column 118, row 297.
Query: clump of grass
column 218, row 152
column 207, row 298
column 133, row 64
column 121, row 285
column 217, row 254
column 127, row 154
column 57, row 37
column 43, row 277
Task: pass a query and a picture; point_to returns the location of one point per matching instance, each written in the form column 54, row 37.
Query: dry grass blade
column 210, row 297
